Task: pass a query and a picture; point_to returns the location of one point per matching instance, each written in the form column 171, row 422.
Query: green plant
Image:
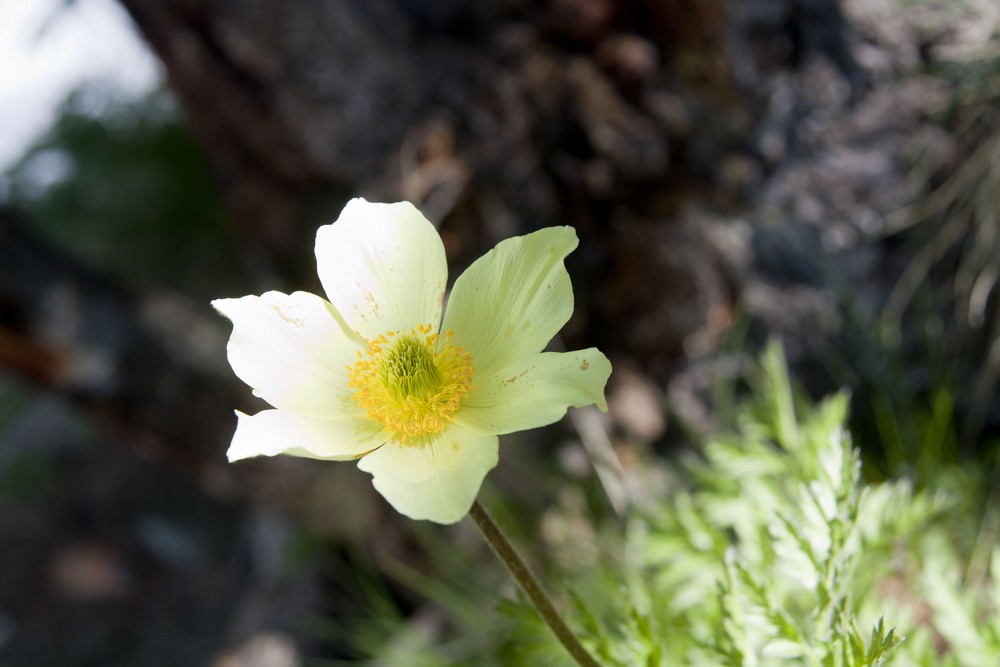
column 773, row 551
column 766, row 547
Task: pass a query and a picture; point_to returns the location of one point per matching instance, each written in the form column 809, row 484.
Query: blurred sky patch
column 49, row 48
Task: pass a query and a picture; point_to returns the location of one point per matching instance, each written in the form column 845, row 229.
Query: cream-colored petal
column 535, row 391
column 273, row 432
column 383, row 267
column 514, row 299
column 292, row 350
column 437, row 481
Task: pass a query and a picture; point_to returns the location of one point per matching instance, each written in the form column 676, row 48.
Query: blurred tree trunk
column 496, row 117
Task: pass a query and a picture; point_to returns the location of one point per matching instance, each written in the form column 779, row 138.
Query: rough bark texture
column 496, row 118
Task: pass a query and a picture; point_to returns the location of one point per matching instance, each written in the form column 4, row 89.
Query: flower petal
column 292, row 350
column 383, row 267
column 535, row 391
column 514, row 299
column 273, row 432
column 437, row 481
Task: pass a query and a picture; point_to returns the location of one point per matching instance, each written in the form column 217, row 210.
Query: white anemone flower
column 375, row 374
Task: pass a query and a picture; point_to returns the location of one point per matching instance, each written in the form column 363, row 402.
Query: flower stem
column 519, row 570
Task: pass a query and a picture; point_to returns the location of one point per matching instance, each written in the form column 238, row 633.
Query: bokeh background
column 822, row 172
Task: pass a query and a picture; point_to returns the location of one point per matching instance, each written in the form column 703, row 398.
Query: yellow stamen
column 411, row 384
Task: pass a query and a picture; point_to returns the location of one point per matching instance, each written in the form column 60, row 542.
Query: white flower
column 375, row 374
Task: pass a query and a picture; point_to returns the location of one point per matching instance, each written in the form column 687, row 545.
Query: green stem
column 517, row 567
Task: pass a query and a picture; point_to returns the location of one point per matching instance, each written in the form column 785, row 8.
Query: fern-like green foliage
column 768, row 548
column 775, row 552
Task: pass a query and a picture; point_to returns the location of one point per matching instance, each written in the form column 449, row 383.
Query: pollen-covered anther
column 413, row 383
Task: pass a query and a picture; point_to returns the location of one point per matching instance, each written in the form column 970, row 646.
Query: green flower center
column 408, row 369
column 411, row 384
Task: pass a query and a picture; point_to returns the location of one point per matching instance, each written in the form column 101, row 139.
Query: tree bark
column 496, row 118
